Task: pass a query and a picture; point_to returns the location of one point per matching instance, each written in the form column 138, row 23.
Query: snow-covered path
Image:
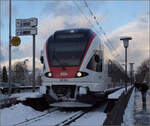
column 141, row 116
column 134, row 113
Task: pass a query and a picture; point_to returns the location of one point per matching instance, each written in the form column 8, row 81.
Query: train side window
column 99, row 65
column 95, row 63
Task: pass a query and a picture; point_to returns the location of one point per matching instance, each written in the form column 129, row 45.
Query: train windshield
column 67, row 51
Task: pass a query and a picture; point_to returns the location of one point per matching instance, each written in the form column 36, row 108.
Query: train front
column 65, row 60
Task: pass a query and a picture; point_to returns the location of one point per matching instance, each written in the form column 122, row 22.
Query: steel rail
column 36, row 118
column 71, row 119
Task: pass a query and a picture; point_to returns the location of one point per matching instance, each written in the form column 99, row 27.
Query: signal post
column 28, row 27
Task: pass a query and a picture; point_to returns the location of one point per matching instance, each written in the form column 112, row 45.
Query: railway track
column 56, row 117
column 35, row 118
column 68, row 120
column 72, row 118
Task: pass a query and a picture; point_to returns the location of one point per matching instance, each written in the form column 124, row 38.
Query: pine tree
column 4, row 75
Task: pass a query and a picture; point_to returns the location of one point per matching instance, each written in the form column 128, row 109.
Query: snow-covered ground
column 19, row 113
column 23, row 95
column 128, row 118
column 94, row 118
column 142, row 117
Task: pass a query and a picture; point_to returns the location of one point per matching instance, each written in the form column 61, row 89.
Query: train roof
column 74, row 30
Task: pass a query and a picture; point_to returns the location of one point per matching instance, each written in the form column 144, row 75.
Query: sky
column 114, row 18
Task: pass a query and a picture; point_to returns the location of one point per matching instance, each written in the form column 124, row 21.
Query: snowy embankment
column 128, row 118
column 22, row 96
column 20, row 113
column 16, row 114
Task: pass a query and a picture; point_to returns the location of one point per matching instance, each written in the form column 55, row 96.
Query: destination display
column 69, row 36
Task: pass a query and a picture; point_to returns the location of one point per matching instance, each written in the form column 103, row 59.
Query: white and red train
column 76, row 68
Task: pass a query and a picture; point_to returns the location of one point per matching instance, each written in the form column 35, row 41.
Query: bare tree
column 20, row 71
column 143, row 71
column 4, row 75
column 116, row 72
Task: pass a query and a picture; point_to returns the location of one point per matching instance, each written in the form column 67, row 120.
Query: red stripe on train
column 68, row 72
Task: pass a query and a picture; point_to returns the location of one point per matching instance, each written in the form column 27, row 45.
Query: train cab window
column 95, row 62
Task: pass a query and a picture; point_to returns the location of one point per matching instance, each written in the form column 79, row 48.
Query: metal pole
column 33, row 82
column 149, row 61
column 9, row 80
column 0, row 58
column 131, row 72
column 126, row 70
column 130, row 75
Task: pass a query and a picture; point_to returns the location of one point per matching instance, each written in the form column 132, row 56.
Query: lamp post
column 131, row 72
column 125, row 40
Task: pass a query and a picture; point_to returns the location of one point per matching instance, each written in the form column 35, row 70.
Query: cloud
column 24, row 51
column 1, row 53
column 4, row 53
column 50, row 25
column 28, row 63
column 139, row 45
column 60, row 8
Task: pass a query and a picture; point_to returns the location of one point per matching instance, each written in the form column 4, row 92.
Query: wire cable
column 101, row 29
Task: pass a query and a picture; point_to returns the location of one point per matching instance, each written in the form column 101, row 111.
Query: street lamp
column 126, row 44
column 131, row 73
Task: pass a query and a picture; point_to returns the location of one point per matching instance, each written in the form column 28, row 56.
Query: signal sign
column 30, row 22
column 26, row 31
column 15, row 41
column 26, row 26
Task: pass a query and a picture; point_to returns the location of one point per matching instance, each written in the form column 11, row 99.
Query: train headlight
column 48, row 74
column 79, row 74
